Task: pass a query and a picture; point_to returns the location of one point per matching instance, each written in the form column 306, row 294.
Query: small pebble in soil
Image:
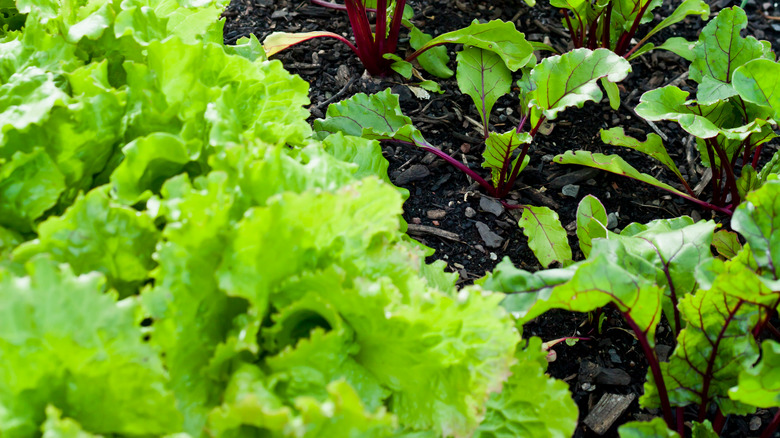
column 416, row 220
column 491, row 206
column 571, row 190
column 415, row 172
column 547, row 158
column 470, row 212
column 436, row 214
column 480, row 248
column 491, row 239
column 755, row 423
column 612, row 220
column 613, row 356
column 493, row 256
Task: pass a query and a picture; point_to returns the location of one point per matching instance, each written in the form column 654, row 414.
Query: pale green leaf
column 726, row 243
column 757, row 82
column 591, row 222
column 546, row 237
column 502, row 155
column 653, row 146
column 571, row 79
column 614, row 164
column 484, row 77
column 655, row 428
column 435, row 60
column 500, row 37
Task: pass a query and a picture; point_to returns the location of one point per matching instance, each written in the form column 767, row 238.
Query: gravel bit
column 491, row 206
column 415, row 172
column 570, row 190
column 491, row 239
column 612, row 220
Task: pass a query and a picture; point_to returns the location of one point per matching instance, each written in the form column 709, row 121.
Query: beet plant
column 548, row 88
column 717, row 307
column 613, row 24
column 376, row 48
column 734, row 114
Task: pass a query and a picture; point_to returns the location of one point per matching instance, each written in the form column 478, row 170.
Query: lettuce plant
column 613, row 24
column 171, row 266
column 734, row 115
column 551, row 86
column 717, row 307
column 377, row 50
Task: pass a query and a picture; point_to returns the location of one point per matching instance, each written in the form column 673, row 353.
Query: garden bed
column 445, row 206
column 194, row 243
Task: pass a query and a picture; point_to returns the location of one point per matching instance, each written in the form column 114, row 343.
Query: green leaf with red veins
column 686, row 8
column 747, row 181
column 376, row 117
column 671, row 103
column 503, row 150
column 571, row 79
column 614, row 164
column 760, row 385
column 721, row 50
column 500, row 37
column 757, row 82
column 624, row 13
column 655, row 428
column 612, row 274
column 591, row 222
column 483, row 76
column 726, row 243
column 523, row 288
column 653, row 146
column 758, row 220
column 583, row 12
column 546, row 237
column 715, row 345
column 675, row 247
column 703, row 430
column 772, row 167
column 435, row 60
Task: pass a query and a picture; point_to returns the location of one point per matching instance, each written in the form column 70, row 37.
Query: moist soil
column 445, row 209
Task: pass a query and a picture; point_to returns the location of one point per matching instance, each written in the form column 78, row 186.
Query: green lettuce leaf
column 530, row 403
column 77, row 345
column 96, row 234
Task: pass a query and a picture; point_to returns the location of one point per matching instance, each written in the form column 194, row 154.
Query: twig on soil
column 649, row 123
column 478, row 126
column 676, row 81
column 466, row 138
column 770, row 17
column 654, row 206
column 425, row 229
column 338, row 95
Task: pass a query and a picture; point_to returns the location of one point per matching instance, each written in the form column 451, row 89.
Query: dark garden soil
column 445, row 208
